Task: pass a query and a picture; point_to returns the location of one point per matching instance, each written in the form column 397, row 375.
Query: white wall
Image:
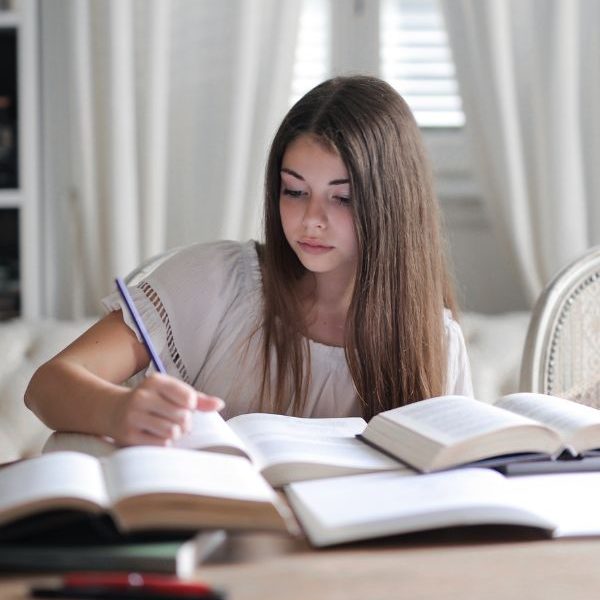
column 486, row 280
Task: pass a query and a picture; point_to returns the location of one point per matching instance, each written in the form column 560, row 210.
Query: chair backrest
column 149, row 265
column 562, row 348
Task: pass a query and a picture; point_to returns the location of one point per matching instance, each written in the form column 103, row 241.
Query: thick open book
column 440, row 433
column 283, row 449
column 346, row 509
column 144, row 489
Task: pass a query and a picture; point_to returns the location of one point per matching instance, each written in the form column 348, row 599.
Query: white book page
column 569, row 499
column 277, row 439
column 146, row 470
column 52, row 476
column 79, row 442
column 376, row 504
column 210, row 432
column 564, row 416
column 452, row 419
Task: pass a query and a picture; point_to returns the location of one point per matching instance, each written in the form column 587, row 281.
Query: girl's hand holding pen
column 158, row 411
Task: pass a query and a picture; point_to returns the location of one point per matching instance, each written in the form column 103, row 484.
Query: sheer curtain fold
column 172, row 104
column 109, row 169
column 264, row 67
column 83, row 162
column 529, row 91
column 121, row 198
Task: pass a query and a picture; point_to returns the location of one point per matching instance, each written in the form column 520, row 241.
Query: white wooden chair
column 562, row 348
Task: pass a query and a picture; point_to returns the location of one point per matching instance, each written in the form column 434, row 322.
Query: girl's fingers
column 178, row 416
column 208, row 403
column 182, row 394
column 160, row 409
column 158, row 426
column 146, row 400
column 143, row 438
column 173, row 390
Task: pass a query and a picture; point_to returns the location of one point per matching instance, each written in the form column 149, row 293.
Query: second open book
column 283, row 449
column 347, row 509
column 449, row 431
column 430, row 435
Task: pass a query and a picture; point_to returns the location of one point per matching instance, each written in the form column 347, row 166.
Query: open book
column 382, row 504
column 282, row 448
column 144, row 489
column 448, row 431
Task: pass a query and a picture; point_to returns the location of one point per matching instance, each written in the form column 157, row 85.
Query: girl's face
column 316, row 209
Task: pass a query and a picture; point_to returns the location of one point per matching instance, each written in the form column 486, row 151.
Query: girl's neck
column 325, row 302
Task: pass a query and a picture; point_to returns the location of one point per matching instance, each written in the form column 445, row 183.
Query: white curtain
column 529, row 78
column 169, row 106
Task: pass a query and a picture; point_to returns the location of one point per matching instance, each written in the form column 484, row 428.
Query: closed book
column 178, row 557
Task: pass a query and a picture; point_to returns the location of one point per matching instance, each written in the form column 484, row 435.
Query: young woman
column 345, row 309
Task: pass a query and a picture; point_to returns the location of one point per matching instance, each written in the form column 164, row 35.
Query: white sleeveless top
column 202, row 305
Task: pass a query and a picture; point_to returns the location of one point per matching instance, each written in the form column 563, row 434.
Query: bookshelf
column 20, row 215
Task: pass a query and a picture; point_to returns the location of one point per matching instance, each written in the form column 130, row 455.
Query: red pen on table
column 127, row 586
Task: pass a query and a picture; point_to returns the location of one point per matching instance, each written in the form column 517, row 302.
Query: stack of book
column 345, row 479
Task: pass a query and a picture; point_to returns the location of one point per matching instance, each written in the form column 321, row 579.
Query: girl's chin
column 316, row 266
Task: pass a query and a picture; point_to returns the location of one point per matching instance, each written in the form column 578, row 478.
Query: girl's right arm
column 80, row 390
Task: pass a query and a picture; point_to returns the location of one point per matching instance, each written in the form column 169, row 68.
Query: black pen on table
column 139, row 324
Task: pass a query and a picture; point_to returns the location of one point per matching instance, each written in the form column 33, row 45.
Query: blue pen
column 137, row 319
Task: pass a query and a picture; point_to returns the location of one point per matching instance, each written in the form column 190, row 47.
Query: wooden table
column 480, row 563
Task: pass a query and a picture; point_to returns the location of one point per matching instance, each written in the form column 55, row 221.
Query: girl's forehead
column 310, row 142
column 308, row 151
column 309, row 161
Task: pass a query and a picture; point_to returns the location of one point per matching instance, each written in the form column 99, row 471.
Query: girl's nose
column 315, row 214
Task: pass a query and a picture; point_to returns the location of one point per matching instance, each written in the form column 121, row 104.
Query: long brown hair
column 394, row 341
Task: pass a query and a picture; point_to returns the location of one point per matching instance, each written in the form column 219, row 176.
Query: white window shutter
column 414, row 55
column 312, row 63
column 416, row 60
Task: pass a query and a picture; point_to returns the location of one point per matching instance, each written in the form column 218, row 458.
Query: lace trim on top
column 153, row 297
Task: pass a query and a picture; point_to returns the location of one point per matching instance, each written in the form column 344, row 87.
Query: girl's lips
column 314, row 247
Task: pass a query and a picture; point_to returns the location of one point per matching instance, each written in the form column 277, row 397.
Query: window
column 312, row 63
column 414, row 55
column 415, row 58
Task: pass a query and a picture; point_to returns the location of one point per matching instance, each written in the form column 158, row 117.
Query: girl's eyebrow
column 298, row 176
column 293, row 173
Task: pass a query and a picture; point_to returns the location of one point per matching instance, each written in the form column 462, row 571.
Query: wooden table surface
column 478, row 563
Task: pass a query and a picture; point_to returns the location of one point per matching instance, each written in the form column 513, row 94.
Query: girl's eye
column 344, row 200
column 292, row 193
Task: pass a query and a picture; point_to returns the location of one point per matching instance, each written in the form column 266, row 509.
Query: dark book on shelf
column 9, row 169
column 9, row 264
